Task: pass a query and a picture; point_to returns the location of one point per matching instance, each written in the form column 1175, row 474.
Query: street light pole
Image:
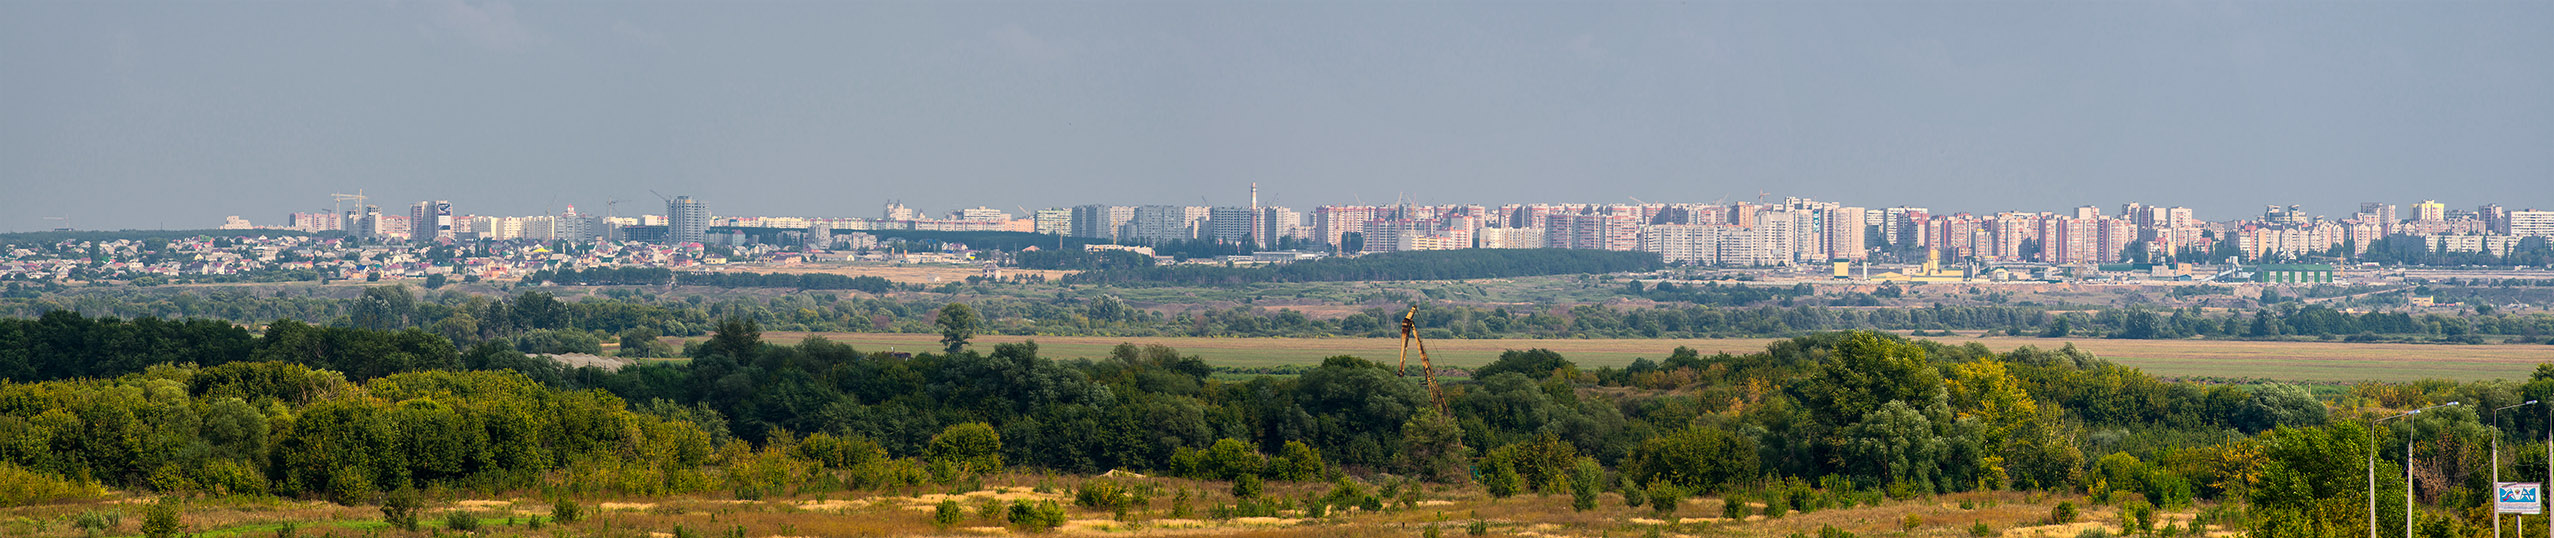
column 2407, row 471
column 2496, row 469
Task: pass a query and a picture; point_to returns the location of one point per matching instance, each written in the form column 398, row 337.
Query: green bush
column 1102, row 494
column 2063, row 513
column 1910, row 522
column 1733, row 508
column 1346, row 492
column 1477, row 528
column 20, row 486
column 969, row 449
column 1980, row 530
column 399, row 508
column 948, row 513
column 1585, row 479
column 1663, row 498
column 566, row 511
column 93, row 523
column 1632, row 494
column 1041, row 516
column 160, row 520
column 462, row 521
column 988, row 509
column 1248, row 486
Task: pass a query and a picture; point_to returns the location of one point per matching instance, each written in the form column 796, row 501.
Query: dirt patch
column 831, row 506
column 2057, row 531
column 580, row 360
column 626, row 506
column 1265, row 521
column 998, row 494
column 482, row 503
column 927, row 274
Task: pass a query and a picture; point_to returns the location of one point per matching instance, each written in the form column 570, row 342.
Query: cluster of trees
column 1410, row 265
column 285, row 429
column 1081, row 260
column 344, row 413
column 538, row 322
column 1717, row 294
column 2292, row 319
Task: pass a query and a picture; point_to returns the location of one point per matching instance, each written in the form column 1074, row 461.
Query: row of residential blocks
column 1794, row 230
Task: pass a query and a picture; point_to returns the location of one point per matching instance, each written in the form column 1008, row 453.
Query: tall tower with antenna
column 1257, row 230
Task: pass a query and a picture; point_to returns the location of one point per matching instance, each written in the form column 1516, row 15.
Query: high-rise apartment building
column 1101, row 221
column 1905, row 225
column 1846, row 233
column 896, row 210
column 1277, row 223
column 980, row 214
column 430, row 220
column 2384, row 214
column 1229, row 224
column 1593, row 232
column 2496, row 219
column 1052, row 221
column 2429, row 211
column 1159, row 224
column 2531, row 222
column 686, row 220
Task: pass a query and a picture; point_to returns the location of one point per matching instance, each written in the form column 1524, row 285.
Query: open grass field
column 1452, row 511
column 926, row 274
column 2286, row 361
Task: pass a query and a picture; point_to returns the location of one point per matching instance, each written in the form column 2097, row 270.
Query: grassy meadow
column 1452, row 511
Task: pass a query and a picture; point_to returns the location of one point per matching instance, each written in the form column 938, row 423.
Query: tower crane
column 340, row 200
column 1409, row 336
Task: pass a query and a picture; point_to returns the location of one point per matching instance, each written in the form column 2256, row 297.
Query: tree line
column 327, row 413
column 658, row 276
column 540, row 322
column 1408, row 265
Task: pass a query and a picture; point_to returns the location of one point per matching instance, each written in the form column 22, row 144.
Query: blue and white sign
column 2518, row 498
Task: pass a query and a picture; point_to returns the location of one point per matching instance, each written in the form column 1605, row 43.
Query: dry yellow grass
column 907, row 513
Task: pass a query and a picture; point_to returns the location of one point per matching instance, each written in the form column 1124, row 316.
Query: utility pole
column 2407, row 471
column 2496, row 469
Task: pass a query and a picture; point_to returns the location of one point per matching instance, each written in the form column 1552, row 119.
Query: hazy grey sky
column 152, row 114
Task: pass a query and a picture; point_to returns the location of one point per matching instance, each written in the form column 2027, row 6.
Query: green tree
column 1896, row 445
column 957, row 323
column 1587, row 479
column 1432, row 448
column 1696, row 458
column 1867, row 370
column 972, row 448
column 160, row 520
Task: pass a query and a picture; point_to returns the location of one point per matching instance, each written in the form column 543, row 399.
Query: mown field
column 2285, row 361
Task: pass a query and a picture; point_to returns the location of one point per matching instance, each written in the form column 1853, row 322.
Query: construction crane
column 340, row 199
column 1409, row 336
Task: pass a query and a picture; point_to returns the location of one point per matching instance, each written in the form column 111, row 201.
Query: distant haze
column 173, row 114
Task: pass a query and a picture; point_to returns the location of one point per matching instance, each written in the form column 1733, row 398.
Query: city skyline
column 157, row 116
